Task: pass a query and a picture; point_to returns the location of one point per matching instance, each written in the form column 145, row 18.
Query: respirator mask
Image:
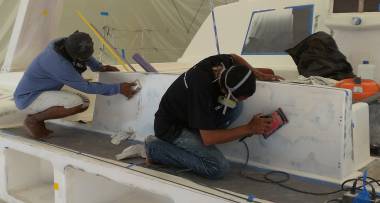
column 229, row 100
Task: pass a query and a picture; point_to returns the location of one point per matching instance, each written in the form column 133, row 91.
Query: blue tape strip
column 104, row 13
column 214, row 25
column 123, row 54
column 251, row 198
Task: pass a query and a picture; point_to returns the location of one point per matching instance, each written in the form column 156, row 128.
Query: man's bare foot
column 36, row 129
column 47, row 130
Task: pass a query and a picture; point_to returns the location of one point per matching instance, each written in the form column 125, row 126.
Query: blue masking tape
column 364, row 195
column 250, row 198
column 104, row 13
column 123, row 54
column 214, row 26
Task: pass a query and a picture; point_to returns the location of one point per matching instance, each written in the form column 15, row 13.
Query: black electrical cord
column 360, row 188
column 354, row 188
column 267, row 179
column 374, row 194
column 334, row 200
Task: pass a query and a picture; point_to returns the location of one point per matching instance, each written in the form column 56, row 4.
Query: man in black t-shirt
column 196, row 110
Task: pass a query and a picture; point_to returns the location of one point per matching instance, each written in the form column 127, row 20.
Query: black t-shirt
column 193, row 107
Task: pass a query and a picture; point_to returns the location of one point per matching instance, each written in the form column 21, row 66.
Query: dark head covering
column 237, row 74
column 79, row 46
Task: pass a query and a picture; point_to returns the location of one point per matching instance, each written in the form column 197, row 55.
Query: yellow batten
column 119, row 59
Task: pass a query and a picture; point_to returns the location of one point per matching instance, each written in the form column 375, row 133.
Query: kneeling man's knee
column 217, row 169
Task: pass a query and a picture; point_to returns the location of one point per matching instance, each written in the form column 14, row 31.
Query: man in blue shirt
column 62, row 63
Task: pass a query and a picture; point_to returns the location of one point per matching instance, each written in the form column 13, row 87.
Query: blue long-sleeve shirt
column 50, row 71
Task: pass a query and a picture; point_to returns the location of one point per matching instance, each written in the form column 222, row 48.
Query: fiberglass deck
column 99, row 145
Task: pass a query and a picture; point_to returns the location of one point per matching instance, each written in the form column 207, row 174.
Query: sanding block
column 138, row 86
column 279, row 120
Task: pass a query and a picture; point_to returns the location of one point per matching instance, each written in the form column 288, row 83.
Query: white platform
column 29, row 178
column 318, row 141
column 34, row 172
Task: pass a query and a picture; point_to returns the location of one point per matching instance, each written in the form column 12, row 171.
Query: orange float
column 361, row 88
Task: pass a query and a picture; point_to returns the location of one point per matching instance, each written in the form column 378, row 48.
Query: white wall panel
column 317, row 141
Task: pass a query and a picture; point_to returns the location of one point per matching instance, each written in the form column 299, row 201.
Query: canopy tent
column 158, row 30
column 8, row 12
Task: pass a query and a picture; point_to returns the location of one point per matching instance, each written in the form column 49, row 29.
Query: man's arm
column 96, row 66
column 257, row 125
column 259, row 75
column 71, row 78
column 66, row 74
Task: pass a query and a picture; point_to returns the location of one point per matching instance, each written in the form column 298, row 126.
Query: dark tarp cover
column 318, row 55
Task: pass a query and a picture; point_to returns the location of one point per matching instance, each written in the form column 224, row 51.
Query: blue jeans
column 188, row 151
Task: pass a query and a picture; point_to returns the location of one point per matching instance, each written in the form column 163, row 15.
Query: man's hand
column 127, row 89
column 264, row 76
column 260, row 125
column 267, row 77
column 108, row 68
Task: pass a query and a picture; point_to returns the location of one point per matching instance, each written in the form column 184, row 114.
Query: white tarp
column 37, row 27
column 10, row 116
column 158, row 30
column 8, row 12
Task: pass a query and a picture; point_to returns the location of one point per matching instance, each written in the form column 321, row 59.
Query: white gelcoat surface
column 360, row 121
column 29, row 178
column 117, row 113
column 359, row 46
column 316, row 142
column 93, row 188
column 38, row 193
column 40, row 159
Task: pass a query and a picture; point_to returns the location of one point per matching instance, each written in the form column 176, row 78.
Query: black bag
column 318, row 55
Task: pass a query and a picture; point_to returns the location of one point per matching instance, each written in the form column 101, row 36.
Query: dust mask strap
column 240, row 83
column 221, row 73
column 227, row 101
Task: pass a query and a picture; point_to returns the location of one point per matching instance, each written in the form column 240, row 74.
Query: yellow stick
column 108, row 45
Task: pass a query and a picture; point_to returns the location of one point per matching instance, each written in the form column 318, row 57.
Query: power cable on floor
column 334, row 200
column 267, row 179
